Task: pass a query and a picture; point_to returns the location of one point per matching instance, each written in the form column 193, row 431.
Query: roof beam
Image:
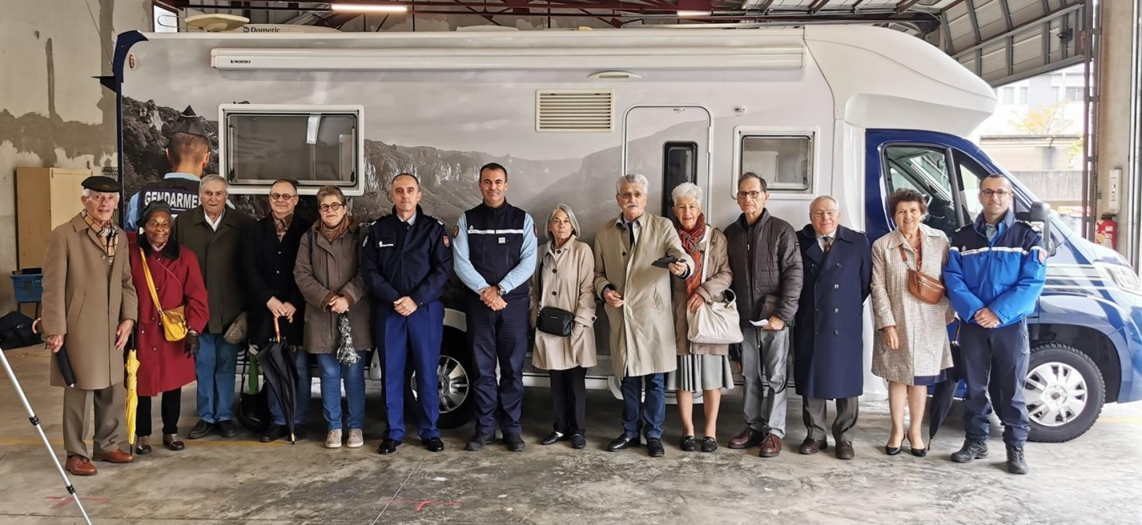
column 905, row 5
column 818, row 5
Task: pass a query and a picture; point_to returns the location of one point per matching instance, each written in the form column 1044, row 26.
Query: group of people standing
column 335, row 288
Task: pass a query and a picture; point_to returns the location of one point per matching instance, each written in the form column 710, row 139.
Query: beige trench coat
column 920, row 327
column 568, row 276
column 325, row 269
column 642, row 330
column 718, row 279
column 85, row 299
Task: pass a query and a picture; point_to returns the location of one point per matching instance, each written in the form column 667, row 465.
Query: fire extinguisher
column 1105, row 231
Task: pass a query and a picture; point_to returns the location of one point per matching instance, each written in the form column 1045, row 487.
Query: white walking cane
column 35, row 420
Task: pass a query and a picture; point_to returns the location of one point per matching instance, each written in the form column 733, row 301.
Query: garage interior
column 55, row 116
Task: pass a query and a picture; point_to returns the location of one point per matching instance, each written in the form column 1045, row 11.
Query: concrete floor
column 1090, row 480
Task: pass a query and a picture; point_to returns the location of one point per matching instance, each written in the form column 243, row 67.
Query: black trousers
column 171, row 406
column 569, row 394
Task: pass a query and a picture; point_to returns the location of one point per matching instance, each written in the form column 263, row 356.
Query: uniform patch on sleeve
column 446, row 241
column 456, row 230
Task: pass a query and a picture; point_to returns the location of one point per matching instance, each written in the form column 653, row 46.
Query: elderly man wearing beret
column 90, row 306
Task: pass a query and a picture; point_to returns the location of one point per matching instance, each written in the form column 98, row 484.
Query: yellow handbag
column 174, row 319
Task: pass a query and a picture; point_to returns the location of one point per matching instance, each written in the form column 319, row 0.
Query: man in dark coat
column 828, row 341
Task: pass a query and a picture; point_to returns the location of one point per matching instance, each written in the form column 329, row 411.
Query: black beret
column 101, row 184
column 151, row 209
column 189, row 122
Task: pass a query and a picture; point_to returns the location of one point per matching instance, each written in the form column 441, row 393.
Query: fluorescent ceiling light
column 687, row 13
column 370, row 8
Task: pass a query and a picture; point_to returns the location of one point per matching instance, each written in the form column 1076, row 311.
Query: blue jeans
column 301, row 408
column 644, row 415
column 214, row 367
column 332, row 372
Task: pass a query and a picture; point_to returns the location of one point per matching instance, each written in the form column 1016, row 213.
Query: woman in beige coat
column 564, row 280
column 911, row 348
column 328, row 276
column 701, row 367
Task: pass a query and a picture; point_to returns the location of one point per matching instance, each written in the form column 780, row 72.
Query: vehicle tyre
column 1064, row 391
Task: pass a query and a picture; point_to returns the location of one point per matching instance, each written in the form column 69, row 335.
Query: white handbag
column 715, row 323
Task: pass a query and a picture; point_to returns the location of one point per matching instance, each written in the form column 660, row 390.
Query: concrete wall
column 52, row 112
column 1114, row 115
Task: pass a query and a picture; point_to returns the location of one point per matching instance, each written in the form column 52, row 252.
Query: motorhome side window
column 679, row 164
column 924, row 169
column 314, row 147
column 785, row 162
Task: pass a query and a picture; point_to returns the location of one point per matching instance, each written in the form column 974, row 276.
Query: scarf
column 332, row 234
column 282, row 225
column 106, row 232
column 691, row 243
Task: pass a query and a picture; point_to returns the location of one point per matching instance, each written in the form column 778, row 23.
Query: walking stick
column 35, row 420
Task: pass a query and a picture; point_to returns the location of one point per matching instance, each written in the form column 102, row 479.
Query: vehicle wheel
column 1064, row 391
column 455, row 376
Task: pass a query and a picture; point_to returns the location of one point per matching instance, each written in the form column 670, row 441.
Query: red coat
column 164, row 365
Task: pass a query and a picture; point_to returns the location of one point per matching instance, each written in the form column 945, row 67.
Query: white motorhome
column 848, row 111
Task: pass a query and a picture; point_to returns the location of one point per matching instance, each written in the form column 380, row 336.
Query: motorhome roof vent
column 575, row 111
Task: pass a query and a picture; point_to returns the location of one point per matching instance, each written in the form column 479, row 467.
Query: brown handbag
column 922, row 286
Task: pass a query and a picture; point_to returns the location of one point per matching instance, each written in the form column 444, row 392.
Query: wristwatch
column 500, row 290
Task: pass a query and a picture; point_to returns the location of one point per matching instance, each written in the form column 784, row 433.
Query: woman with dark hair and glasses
column 160, row 264
column 911, row 348
column 328, row 275
column 268, row 258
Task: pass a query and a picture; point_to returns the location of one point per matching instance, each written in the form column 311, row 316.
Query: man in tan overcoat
column 637, row 296
column 90, row 306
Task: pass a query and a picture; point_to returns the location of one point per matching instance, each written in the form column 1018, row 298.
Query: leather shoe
column 746, row 438
column 1016, row 462
column 433, row 444
column 623, row 441
column 554, row 438
column 115, row 456
column 687, row 444
column 173, row 442
column 770, row 446
column 709, row 444
column 654, row 448
column 227, row 428
column 479, row 441
column 973, row 449
column 578, row 441
column 514, row 443
column 813, row 446
column 845, row 450
column 388, row 446
column 201, row 429
column 80, row 466
column 143, row 445
column 274, row 433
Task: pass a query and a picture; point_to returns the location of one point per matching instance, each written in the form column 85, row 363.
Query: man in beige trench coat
column 637, row 296
column 90, row 305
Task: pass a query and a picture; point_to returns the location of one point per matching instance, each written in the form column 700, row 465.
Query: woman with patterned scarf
column 328, row 275
column 701, row 367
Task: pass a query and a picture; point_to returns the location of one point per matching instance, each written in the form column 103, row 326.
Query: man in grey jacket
column 766, row 263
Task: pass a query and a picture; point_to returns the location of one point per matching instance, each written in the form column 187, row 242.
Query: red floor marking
column 424, row 503
column 64, row 500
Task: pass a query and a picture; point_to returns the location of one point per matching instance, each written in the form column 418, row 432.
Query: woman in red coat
column 164, row 366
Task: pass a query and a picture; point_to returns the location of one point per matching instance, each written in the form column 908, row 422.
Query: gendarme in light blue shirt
column 467, row 273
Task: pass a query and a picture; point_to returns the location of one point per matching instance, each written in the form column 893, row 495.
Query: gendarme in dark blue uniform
column 408, row 259
column 496, row 246
column 999, row 267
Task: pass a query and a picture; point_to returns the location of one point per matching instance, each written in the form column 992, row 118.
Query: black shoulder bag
column 554, row 321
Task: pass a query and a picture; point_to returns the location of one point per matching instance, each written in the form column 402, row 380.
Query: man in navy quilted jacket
column 994, row 275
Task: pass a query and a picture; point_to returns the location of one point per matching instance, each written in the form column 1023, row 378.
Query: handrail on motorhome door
column 709, row 141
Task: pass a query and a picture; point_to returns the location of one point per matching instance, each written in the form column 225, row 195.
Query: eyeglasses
column 331, row 207
column 753, row 195
column 995, row 193
column 824, row 213
column 282, row 196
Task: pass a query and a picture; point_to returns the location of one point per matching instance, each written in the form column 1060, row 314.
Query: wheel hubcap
column 1056, row 394
column 452, row 383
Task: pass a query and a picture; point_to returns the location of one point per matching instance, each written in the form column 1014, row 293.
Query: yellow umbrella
column 132, row 394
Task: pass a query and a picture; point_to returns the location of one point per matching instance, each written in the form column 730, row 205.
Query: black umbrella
column 280, row 372
column 62, row 360
column 945, row 392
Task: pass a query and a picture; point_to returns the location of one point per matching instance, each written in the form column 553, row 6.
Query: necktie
column 630, row 233
column 828, row 244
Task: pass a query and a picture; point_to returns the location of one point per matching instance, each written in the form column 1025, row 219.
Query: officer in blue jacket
column 994, row 275
column 188, row 150
column 495, row 258
column 406, row 261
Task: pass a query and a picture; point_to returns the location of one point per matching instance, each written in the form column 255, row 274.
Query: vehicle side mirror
column 1040, row 218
